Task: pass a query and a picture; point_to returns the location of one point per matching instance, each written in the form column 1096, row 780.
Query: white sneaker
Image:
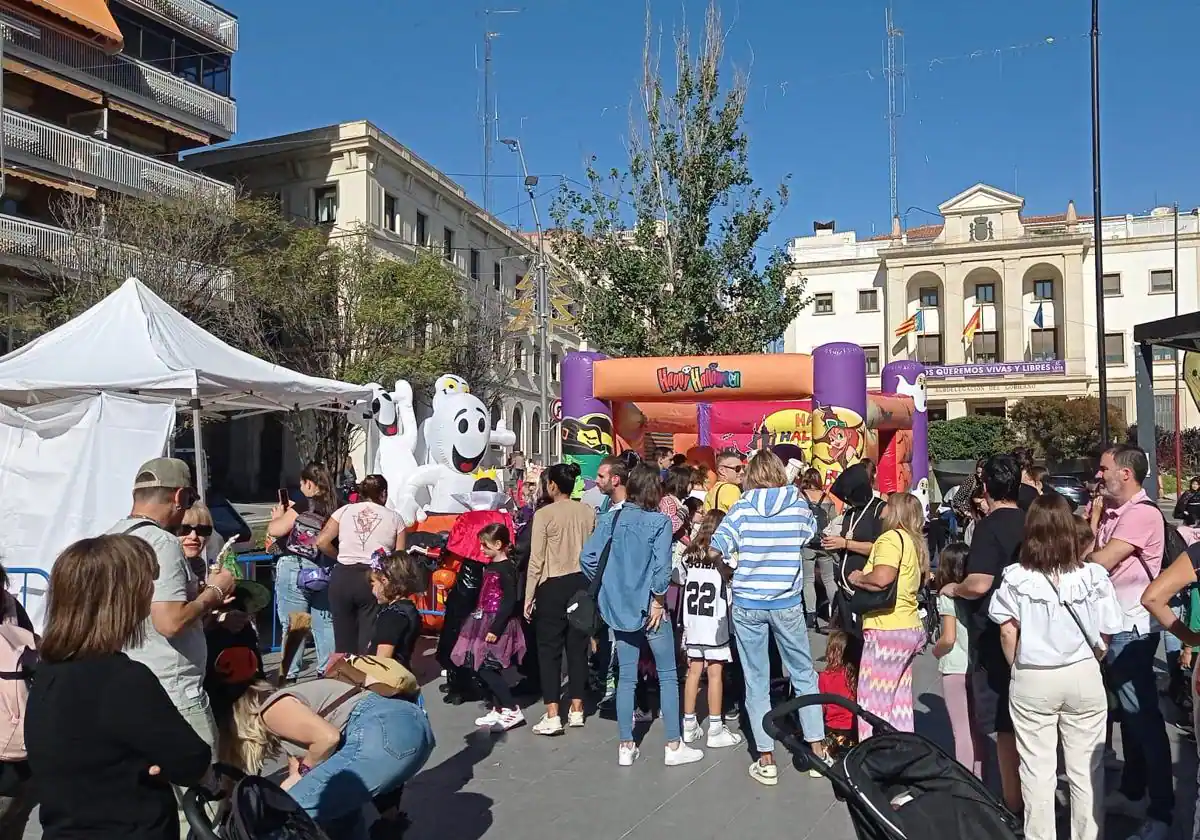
column 509, row 719
column 627, row 755
column 683, row 754
column 1151, row 830
column 692, row 733
column 487, row 720
column 1116, row 802
column 764, row 774
column 548, row 726
column 575, row 719
column 722, row 737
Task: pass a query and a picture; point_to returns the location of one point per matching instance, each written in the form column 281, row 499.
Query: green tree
column 969, row 438
column 1061, row 428
column 669, row 247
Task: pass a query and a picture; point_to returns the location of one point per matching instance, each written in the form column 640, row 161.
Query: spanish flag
column 915, row 323
column 973, row 325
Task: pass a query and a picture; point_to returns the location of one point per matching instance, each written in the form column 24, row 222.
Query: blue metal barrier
column 25, row 572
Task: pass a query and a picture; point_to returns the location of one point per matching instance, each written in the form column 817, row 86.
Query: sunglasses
column 735, row 467
column 198, row 530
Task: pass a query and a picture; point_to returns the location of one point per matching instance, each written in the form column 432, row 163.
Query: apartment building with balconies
column 353, row 177
column 1027, row 280
column 100, row 98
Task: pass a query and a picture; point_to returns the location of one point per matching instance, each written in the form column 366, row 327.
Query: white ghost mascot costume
column 919, row 393
column 396, row 425
column 457, row 437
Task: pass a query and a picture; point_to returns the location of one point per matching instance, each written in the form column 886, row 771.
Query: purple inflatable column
column 587, row 429
column 704, row 424
column 907, row 378
column 839, row 433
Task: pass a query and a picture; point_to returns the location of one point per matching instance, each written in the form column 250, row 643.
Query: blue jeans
column 1130, row 665
column 662, row 646
column 290, row 598
column 752, row 629
column 384, row 744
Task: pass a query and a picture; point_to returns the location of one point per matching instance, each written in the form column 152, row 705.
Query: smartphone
column 284, row 498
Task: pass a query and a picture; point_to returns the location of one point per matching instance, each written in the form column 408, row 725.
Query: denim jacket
column 639, row 564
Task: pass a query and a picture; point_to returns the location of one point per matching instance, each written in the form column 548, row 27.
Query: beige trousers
column 1047, row 704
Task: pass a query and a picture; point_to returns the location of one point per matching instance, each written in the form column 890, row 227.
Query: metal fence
column 213, row 23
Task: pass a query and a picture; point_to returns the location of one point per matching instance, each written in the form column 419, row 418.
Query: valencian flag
column 916, row 323
column 973, row 325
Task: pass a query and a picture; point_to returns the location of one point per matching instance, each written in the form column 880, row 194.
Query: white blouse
column 1050, row 637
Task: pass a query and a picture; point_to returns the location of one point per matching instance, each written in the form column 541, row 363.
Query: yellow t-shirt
column 899, row 552
column 722, row 496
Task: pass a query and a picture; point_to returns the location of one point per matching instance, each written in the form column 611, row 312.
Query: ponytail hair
column 700, row 552
column 374, row 488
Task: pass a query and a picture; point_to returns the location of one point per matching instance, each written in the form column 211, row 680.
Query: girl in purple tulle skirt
column 491, row 640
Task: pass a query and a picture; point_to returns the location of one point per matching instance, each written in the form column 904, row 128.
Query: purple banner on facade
column 1052, row 366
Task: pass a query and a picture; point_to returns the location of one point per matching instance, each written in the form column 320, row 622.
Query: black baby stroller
column 898, row 785
column 248, row 808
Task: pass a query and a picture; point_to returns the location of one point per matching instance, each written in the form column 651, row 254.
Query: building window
column 823, row 303
column 325, row 199
column 1112, row 285
column 1043, row 345
column 1162, row 281
column 985, row 293
column 984, row 346
column 872, row 360
column 1164, row 411
column 535, row 430
column 422, row 230
column 173, row 52
column 474, row 264
column 929, row 297
column 1114, row 348
column 518, row 355
column 497, row 275
column 1043, row 290
column 389, row 212
column 868, row 301
column 935, row 413
column 1163, row 354
column 448, row 244
column 929, row 349
column 537, row 362
column 518, row 427
column 989, row 411
column 554, row 367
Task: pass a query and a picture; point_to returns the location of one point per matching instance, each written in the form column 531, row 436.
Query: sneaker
column 764, row 774
column 1151, row 830
column 692, row 732
column 627, row 755
column 683, row 754
column 1111, row 760
column 548, row 726
column 721, row 737
column 642, row 716
column 1118, row 803
column 489, row 719
column 733, row 713
column 509, row 719
column 575, row 720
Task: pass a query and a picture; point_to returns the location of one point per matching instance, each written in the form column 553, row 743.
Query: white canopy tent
column 133, row 342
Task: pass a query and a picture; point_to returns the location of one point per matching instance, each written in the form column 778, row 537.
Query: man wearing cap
column 174, row 648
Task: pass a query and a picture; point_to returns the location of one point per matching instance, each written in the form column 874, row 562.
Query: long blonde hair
column 245, row 742
column 905, row 512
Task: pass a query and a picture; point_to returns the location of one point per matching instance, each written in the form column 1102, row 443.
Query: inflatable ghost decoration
column 396, row 426
column 457, row 437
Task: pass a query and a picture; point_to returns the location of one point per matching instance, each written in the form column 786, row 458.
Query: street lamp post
column 543, row 307
column 1097, row 226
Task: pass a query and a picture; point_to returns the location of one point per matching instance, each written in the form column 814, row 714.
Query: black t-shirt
column 995, row 545
column 398, row 625
column 1025, row 496
column 868, row 526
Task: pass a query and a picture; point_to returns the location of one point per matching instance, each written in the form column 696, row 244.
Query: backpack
column 18, row 657
column 1173, row 545
column 302, row 541
column 821, row 515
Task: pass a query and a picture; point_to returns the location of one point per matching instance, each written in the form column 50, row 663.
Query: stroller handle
column 772, row 719
column 196, row 798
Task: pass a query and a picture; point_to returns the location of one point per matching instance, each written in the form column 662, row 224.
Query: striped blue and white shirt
column 762, row 537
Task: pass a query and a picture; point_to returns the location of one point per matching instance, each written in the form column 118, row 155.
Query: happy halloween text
column 697, row 378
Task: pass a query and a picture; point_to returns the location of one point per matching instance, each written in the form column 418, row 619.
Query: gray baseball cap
column 170, row 473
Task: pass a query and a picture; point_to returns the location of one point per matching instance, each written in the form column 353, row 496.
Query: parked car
column 1070, row 488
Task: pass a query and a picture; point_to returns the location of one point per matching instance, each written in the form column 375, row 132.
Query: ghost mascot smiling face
column 459, row 433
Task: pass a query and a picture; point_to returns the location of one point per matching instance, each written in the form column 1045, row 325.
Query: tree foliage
column 969, row 438
column 284, row 292
column 1061, row 428
column 669, row 246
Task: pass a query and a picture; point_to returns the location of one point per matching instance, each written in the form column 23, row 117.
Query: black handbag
column 582, row 612
column 865, row 601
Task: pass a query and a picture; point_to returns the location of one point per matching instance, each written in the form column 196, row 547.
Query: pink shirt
column 364, row 527
column 1141, row 526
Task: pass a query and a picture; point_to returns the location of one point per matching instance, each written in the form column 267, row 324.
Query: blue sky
column 989, row 99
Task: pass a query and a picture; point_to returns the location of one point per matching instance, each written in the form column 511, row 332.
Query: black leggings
column 554, row 633
column 353, row 606
column 501, row 694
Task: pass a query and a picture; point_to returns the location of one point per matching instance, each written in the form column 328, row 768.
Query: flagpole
column 1098, row 229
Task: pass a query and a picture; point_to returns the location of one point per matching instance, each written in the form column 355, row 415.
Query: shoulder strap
column 1166, row 525
column 602, row 563
column 1094, row 645
column 353, row 691
column 142, row 523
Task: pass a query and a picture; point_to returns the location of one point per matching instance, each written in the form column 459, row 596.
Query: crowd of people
column 1050, row 620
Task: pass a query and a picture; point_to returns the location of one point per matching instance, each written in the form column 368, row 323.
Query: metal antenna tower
column 893, row 62
column 490, row 118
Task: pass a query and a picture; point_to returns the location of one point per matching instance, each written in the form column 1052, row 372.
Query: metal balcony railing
column 124, row 77
column 215, row 24
column 102, row 164
column 69, row 251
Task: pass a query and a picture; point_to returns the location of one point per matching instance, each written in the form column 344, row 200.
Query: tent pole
column 198, row 448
